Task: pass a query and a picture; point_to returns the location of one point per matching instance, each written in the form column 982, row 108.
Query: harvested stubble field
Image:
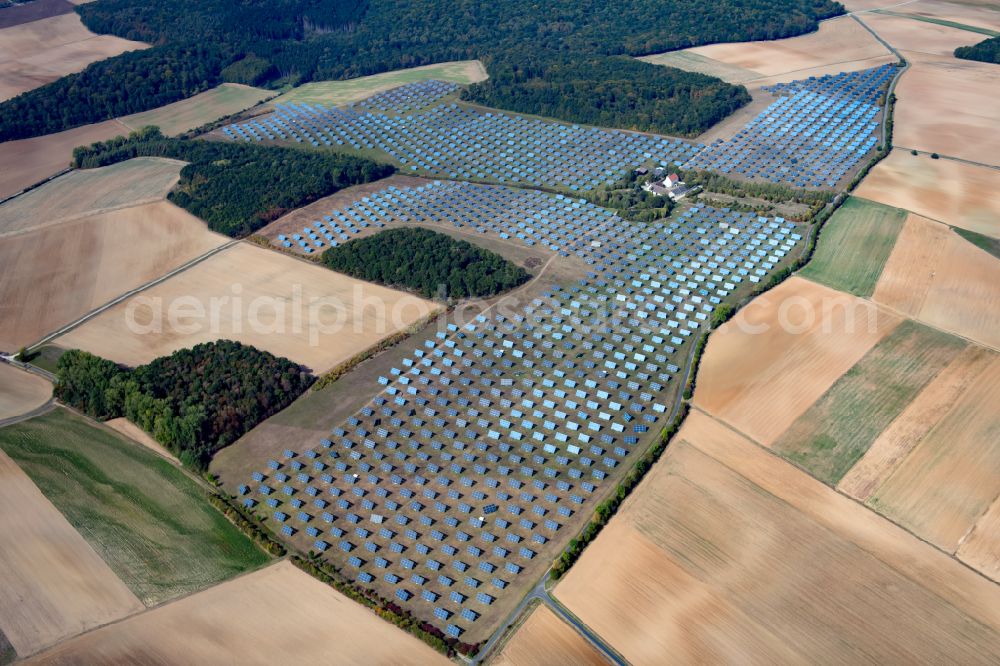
column 20, row 391
column 976, row 13
column 960, row 455
column 980, row 547
column 545, row 640
column 146, row 518
column 726, row 553
column 193, row 112
column 277, row 615
column 57, row 274
column 33, row 54
column 949, row 106
column 912, row 36
column 840, row 42
column 53, row 584
column 84, row 192
column 770, row 363
column 257, row 297
column 332, row 93
column 830, row 437
column 136, row 434
column 936, row 276
column 26, row 162
column 692, row 61
column 854, row 246
column 959, row 194
column 912, row 425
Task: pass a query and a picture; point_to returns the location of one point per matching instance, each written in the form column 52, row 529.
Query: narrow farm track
column 37, row 411
column 110, row 304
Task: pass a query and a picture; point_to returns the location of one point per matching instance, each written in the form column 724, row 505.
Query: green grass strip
column 854, row 246
column 146, row 518
column 937, row 21
column 983, row 242
column 839, row 428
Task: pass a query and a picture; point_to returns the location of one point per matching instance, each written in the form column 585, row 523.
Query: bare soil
column 20, row 391
column 545, row 640
column 940, row 278
column 55, row 275
column 290, row 307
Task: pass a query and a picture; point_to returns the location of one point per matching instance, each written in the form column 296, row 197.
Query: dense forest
column 293, row 41
column 194, row 402
column 132, row 82
column 611, row 92
column 987, row 50
column 238, row 188
column 426, row 261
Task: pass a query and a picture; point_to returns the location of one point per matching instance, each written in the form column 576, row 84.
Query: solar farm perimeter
column 815, row 134
column 482, row 453
column 486, row 449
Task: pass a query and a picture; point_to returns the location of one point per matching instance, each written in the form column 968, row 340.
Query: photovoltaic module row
column 452, row 141
column 817, row 131
column 481, row 444
column 553, row 221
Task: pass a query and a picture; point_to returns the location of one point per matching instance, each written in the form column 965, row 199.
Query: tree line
column 197, row 44
column 194, row 402
column 426, row 261
column 987, row 50
column 238, row 188
column 610, row 92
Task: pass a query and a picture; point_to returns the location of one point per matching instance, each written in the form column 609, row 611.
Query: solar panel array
column 452, row 141
column 817, row 131
column 558, row 223
column 480, row 446
column 409, row 97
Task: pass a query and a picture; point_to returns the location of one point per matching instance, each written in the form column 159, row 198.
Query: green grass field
column 146, row 518
column 840, row 427
column 944, row 22
column 7, row 653
column 193, row 112
column 352, row 90
column 854, row 246
column 988, row 243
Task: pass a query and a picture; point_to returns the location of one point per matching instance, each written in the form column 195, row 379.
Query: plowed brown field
column 938, row 277
column 725, row 553
column 276, row 615
column 765, row 367
column 962, row 195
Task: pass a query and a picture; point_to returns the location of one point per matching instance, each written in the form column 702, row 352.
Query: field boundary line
column 862, row 505
column 806, row 69
column 866, row 11
column 975, row 523
column 148, row 609
column 582, row 628
column 995, row 167
column 81, row 216
column 143, row 287
column 899, row 313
